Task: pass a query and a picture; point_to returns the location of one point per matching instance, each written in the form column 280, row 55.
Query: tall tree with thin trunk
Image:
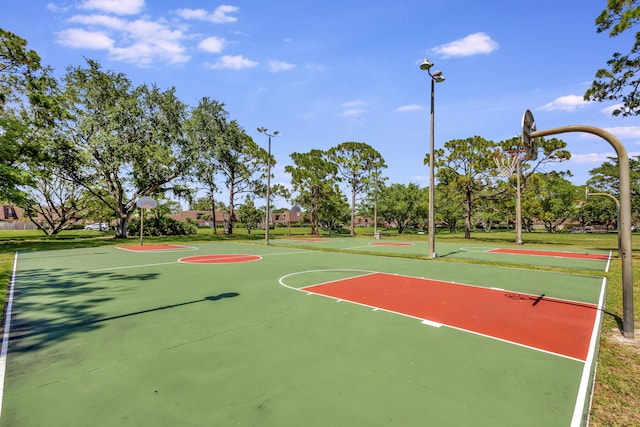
column 205, row 128
column 239, row 160
column 465, row 168
column 358, row 166
column 314, row 178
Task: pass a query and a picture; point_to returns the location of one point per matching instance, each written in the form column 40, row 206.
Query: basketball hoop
column 147, row 203
column 506, row 161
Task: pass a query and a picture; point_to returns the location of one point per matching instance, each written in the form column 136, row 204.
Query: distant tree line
column 92, row 143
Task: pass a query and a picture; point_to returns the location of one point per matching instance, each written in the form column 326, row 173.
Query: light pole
column 436, row 77
column 267, row 216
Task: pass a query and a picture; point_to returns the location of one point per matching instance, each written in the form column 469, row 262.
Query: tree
column 556, row 196
column 619, row 82
column 334, row 211
column 401, row 204
column 314, row 178
column 249, row 215
column 450, row 205
column 122, row 141
column 550, row 151
column 357, row 162
column 204, row 128
column 606, row 179
column 53, row 198
column 239, row 159
column 28, row 104
column 465, row 168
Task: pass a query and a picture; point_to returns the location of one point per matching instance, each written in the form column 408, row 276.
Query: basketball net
column 506, row 161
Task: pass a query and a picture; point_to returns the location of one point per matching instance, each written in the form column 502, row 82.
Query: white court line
column 7, row 330
column 581, row 399
column 309, row 292
column 184, row 263
column 132, row 266
column 176, row 248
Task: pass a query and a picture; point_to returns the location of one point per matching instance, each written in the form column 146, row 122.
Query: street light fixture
column 267, row 216
column 436, row 77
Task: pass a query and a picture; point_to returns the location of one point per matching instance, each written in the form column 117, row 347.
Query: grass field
column 617, row 388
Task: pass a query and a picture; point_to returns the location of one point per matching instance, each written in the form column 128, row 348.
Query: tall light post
column 436, row 77
column 268, row 216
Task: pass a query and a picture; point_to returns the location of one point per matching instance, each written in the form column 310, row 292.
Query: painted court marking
column 153, row 248
column 539, row 322
column 557, row 254
column 390, row 244
column 219, row 259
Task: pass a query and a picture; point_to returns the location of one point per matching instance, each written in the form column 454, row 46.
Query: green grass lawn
column 617, row 389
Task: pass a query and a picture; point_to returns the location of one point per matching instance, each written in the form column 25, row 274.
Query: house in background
column 204, row 217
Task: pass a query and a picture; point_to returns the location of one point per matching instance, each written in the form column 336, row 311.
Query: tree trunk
column 230, row 211
column 214, row 228
column 467, row 216
column 352, row 230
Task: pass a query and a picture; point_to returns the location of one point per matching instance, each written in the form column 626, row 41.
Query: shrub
column 162, row 226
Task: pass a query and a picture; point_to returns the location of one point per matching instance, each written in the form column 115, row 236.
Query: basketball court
column 246, row 334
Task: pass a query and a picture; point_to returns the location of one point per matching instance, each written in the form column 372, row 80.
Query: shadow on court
column 53, row 305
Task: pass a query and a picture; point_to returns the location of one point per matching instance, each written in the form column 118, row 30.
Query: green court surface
column 521, row 255
column 239, row 335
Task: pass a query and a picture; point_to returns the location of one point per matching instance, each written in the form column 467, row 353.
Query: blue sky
column 327, row 72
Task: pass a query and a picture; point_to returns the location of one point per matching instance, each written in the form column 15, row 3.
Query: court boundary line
column 281, row 279
column 597, row 307
column 7, row 330
column 581, row 398
column 178, row 262
column 184, row 248
column 515, row 252
column 225, row 259
column 493, row 288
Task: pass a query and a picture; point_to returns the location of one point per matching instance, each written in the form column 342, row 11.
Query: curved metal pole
column 624, row 225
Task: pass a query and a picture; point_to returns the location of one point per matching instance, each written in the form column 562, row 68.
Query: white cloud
column 625, row 132
column 591, row 158
column 610, row 109
column 99, row 20
column 353, row 112
column 118, row 7
column 411, row 107
column 353, row 108
column 565, row 103
column 144, row 41
column 276, row 66
column 82, row 39
column 218, row 16
column 141, row 41
column 354, row 103
column 234, row 62
column 212, row 44
column 473, row 44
